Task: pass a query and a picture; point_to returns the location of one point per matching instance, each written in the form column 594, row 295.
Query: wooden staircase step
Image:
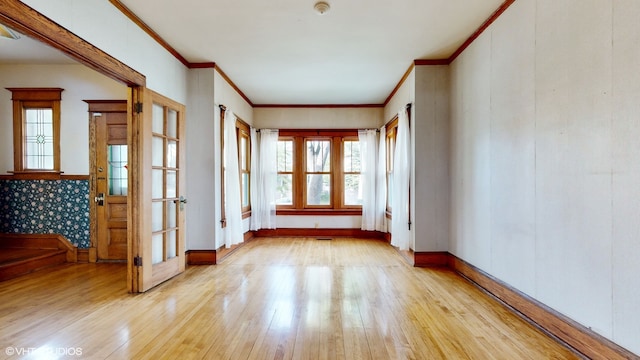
column 15, row 262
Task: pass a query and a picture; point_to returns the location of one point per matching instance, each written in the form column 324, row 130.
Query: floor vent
column 324, row 238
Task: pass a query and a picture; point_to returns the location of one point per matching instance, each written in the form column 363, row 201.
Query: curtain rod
column 377, row 130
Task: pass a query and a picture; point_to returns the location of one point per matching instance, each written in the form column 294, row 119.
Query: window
column 352, row 178
column 392, row 131
column 244, row 164
column 285, row 172
column 243, row 138
column 319, row 170
column 36, row 129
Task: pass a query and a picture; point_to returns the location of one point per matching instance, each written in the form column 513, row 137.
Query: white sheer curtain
column 264, row 178
column 233, row 210
column 400, row 233
column 254, row 181
column 381, row 183
column 368, row 144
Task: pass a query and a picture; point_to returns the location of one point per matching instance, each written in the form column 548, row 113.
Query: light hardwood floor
column 281, row 298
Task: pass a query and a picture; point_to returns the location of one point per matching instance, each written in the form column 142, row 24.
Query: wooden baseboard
column 201, row 257
column 574, row 335
column 223, row 252
column 212, row 257
column 431, row 259
column 88, row 255
column 311, row 232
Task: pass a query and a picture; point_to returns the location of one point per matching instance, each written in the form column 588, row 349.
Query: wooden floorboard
column 281, row 298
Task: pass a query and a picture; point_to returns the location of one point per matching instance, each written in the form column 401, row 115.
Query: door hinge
column 138, row 107
column 137, row 261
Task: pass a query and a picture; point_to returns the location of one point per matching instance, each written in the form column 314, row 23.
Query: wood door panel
column 111, row 213
column 117, row 212
column 117, row 134
column 117, row 243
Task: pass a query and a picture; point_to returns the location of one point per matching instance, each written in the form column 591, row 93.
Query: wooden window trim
column 243, row 130
column 294, row 184
column 391, row 132
column 223, row 213
column 241, row 126
column 343, row 173
column 318, row 212
column 25, row 98
column 299, row 207
column 332, row 176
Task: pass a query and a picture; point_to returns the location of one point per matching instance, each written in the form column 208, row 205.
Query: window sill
column 317, row 212
column 34, row 175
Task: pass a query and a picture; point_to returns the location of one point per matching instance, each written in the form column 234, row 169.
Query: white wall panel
column 224, row 94
column 626, row 173
column 472, row 140
column 103, row 25
column 405, row 95
column 563, row 164
column 79, row 83
column 513, row 147
column 582, row 230
column 318, row 118
column 430, row 132
column 201, row 161
column 319, row 222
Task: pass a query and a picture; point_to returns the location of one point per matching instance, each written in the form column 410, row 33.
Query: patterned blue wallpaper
column 46, row 206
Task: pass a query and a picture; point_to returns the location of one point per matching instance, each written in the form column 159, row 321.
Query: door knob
column 99, row 199
column 182, row 201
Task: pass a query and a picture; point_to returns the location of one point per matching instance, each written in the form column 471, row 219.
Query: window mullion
column 337, row 168
column 299, row 170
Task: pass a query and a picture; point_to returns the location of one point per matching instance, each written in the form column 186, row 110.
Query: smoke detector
column 321, row 7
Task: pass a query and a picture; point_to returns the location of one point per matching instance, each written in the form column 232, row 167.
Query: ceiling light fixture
column 8, row 33
column 321, row 7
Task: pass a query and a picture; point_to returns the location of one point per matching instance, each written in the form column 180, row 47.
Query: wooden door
column 109, row 163
column 159, row 252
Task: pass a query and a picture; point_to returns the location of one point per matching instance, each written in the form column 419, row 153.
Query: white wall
column 201, row 161
column 124, row 40
column 406, row 94
column 430, row 133
column 318, row 118
column 224, row 94
column 79, row 83
column 545, row 170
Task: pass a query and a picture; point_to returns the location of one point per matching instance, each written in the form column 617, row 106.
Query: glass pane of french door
column 165, row 175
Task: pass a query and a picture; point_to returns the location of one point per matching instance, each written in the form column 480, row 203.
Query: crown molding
column 496, row 14
column 233, row 85
column 154, row 35
column 417, row 62
column 317, row 106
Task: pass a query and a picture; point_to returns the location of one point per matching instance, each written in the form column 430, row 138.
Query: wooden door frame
column 30, row 22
